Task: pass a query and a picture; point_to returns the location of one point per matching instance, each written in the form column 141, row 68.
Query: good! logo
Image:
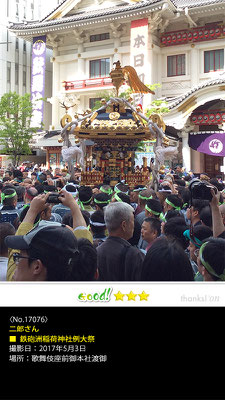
column 96, row 296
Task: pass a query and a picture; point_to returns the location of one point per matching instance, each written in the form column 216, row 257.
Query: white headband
column 96, row 223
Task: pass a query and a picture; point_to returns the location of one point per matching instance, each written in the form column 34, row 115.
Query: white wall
column 68, row 71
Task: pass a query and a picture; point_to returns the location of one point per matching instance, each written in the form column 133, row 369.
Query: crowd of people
column 52, row 228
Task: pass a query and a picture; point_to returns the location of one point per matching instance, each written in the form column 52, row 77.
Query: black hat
column 46, row 234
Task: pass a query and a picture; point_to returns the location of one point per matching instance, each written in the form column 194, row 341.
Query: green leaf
column 15, row 130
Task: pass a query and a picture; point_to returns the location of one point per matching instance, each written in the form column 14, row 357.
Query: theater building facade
column 177, row 43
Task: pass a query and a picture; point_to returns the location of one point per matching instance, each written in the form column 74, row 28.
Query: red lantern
column 223, row 117
column 206, row 118
column 184, row 36
column 206, row 34
column 200, row 119
column 174, row 38
column 212, row 32
column 201, row 34
column 195, row 35
column 190, row 36
column 218, row 117
column 169, row 39
column 179, row 37
column 217, row 31
column 194, row 119
column 212, row 118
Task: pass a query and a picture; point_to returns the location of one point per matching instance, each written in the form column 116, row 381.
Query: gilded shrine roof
column 114, row 122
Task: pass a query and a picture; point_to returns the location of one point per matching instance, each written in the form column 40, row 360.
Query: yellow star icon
column 131, row 296
column 143, row 296
column 119, row 296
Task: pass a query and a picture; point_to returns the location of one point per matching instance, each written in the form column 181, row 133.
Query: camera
column 41, row 177
column 53, row 198
column 201, row 190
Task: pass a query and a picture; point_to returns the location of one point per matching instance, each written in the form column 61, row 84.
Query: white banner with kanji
column 139, row 47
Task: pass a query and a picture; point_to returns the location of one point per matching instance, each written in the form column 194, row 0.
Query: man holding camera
column 202, row 195
column 217, row 218
column 40, row 203
column 194, row 210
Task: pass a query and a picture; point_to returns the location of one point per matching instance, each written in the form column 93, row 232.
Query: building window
column 176, row 65
column 32, row 9
column 213, row 60
column 24, row 76
column 17, row 8
column 99, row 68
column 8, row 72
column 24, row 46
column 7, row 40
column 16, row 74
column 100, row 36
column 92, row 101
column 17, row 44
